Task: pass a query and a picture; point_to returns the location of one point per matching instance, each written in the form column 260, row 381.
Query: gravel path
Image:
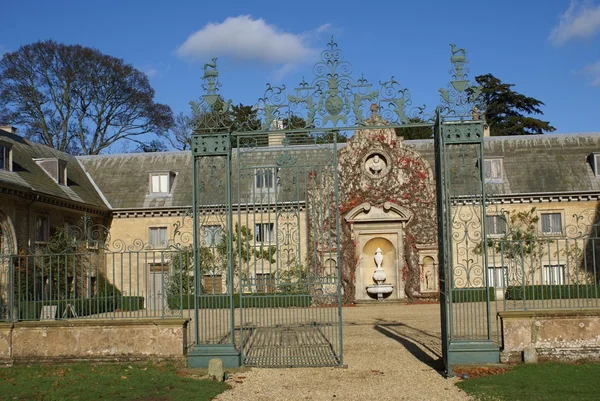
column 390, row 350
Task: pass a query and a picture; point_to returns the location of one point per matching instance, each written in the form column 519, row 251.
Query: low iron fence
column 545, row 273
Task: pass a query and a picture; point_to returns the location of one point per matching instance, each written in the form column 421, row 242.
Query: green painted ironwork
column 278, row 203
column 83, row 273
column 467, row 335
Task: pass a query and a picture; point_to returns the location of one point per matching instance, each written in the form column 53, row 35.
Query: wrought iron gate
column 267, row 235
column 266, row 217
column 286, row 245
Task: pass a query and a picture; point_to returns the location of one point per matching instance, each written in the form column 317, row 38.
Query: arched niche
column 367, row 265
column 383, row 227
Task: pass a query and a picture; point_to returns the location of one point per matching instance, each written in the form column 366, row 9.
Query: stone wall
column 553, row 334
column 93, row 340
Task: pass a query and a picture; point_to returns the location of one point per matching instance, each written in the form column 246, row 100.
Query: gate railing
column 81, row 274
column 552, row 273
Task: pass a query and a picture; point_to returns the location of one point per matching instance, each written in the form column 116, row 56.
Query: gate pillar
column 214, row 305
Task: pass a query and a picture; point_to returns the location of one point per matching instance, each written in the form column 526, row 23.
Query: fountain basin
column 380, row 290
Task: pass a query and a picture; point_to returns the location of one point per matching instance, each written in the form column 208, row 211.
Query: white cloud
column 249, row 39
column 593, row 70
column 580, row 20
column 151, row 72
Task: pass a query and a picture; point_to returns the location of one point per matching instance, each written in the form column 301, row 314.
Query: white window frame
column 553, row 274
column 491, row 161
column 163, row 182
column 61, row 177
column 264, row 232
column 553, row 231
column 159, row 243
column 494, row 272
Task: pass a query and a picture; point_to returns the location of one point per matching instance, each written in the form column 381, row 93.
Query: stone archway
column 8, row 247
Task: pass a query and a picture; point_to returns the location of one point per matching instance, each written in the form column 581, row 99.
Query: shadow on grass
column 424, row 346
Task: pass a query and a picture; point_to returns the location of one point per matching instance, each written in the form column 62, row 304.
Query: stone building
column 386, row 200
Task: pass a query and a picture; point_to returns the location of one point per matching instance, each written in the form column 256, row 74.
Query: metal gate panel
column 286, row 251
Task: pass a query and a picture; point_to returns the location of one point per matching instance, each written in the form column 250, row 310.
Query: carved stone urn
column 379, row 274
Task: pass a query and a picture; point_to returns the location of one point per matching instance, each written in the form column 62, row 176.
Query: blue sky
column 549, row 48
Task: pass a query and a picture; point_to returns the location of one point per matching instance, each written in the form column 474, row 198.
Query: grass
column 104, row 382
column 545, row 381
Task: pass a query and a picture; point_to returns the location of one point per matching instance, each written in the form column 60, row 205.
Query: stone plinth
column 96, row 340
column 554, row 334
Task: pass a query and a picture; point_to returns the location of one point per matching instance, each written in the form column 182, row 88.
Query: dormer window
column 5, row 156
column 493, row 170
column 264, row 179
column 595, row 162
column 160, row 182
column 55, row 168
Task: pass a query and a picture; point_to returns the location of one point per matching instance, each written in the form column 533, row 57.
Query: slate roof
column 556, row 163
column 28, row 176
column 124, row 179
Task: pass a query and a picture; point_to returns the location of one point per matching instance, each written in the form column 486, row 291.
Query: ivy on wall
column 408, row 182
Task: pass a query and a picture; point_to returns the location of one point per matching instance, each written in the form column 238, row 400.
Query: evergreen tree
column 509, row 112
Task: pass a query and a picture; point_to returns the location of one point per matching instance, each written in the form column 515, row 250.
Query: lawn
column 160, row 382
column 545, row 381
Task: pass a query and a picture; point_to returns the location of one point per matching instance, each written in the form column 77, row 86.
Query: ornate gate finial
column 458, row 100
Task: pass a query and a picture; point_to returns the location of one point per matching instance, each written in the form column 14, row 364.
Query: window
column 5, row 157
column 159, row 183
column 492, row 170
column 263, row 232
column 497, row 276
column 551, row 223
column 158, row 237
column 495, row 225
column 265, row 283
column 62, row 172
column 55, row 168
column 594, row 160
column 264, row 179
column 553, row 274
column 213, row 284
column 212, row 236
column 42, row 229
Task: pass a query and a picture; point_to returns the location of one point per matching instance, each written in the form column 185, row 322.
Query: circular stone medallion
column 376, row 164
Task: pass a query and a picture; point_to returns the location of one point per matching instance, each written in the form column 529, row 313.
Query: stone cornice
column 179, row 211
column 542, row 197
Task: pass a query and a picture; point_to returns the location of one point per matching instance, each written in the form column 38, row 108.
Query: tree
column 180, row 135
column 425, row 132
column 77, row 99
column 153, row 146
column 507, row 112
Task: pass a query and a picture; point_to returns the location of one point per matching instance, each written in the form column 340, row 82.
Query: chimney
column 8, row 128
column 276, row 139
column 486, row 130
